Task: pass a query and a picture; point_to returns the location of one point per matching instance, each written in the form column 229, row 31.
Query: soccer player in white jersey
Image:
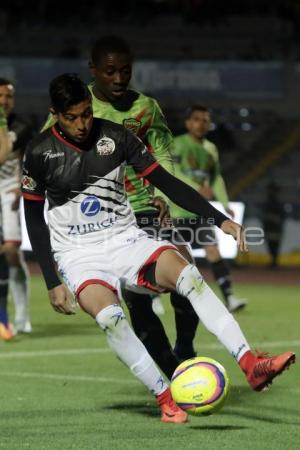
column 19, row 133
column 79, row 165
column 6, row 330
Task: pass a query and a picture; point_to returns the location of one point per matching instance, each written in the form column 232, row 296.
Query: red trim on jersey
column 10, row 241
column 140, row 115
column 129, row 187
column 148, row 170
column 67, row 143
column 152, row 259
column 35, row 197
column 142, row 131
column 94, row 281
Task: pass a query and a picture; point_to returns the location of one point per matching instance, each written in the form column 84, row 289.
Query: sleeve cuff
column 35, row 197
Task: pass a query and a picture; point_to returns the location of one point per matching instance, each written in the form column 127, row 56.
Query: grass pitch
column 61, row 388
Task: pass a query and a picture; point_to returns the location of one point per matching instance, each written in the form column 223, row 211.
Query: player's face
column 77, row 121
column 198, row 124
column 112, row 75
column 7, row 98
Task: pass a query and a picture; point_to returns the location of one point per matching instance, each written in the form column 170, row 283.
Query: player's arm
column 33, row 190
column 146, row 166
column 159, row 138
column 160, row 141
column 5, row 141
column 189, row 199
column 220, row 191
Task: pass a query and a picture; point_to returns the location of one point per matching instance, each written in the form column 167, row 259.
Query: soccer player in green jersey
column 198, row 159
column 111, row 68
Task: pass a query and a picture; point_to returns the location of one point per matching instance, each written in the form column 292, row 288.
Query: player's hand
column 161, row 204
column 60, row 300
column 230, row 212
column 237, row 232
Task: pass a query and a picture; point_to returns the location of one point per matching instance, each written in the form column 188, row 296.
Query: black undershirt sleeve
column 184, row 196
column 40, row 240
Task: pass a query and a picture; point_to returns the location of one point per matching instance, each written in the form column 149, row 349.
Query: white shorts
column 10, row 220
column 125, row 258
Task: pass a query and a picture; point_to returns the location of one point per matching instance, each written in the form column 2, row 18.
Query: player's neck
column 196, row 139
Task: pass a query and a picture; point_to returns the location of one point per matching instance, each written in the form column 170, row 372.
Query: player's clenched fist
column 60, row 300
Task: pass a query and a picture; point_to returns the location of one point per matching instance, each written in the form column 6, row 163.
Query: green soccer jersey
column 199, row 162
column 145, row 119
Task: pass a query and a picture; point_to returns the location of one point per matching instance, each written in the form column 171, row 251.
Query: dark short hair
column 67, row 90
column 193, row 108
column 5, row 82
column 108, row 44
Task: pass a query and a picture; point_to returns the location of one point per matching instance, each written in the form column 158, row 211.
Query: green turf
column 89, row 400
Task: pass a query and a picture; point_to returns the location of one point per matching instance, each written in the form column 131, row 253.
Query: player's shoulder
column 146, row 101
column 107, row 127
column 40, row 142
column 210, row 146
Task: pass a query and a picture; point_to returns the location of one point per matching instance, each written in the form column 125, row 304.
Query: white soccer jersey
column 84, row 186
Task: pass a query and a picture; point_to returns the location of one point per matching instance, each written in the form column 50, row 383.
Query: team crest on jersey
column 132, row 124
column 105, row 146
column 28, row 183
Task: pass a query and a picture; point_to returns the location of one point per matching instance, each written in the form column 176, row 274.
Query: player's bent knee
column 111, row 318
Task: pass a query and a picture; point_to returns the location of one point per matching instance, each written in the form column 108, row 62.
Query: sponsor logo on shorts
column 90, row 206
column 105, row 146
column 85, row 228
column 28, row 183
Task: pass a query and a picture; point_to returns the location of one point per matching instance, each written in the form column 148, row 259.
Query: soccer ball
column 200, row 386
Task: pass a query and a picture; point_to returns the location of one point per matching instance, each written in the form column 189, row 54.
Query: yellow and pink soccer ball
column 200, row 386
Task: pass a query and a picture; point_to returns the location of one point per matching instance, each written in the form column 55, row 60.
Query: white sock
column 19, row 285
column 211, row 311
column 129, row 348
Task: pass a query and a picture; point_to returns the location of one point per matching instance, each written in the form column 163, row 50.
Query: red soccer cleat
column 260, row 369
column 170, row 412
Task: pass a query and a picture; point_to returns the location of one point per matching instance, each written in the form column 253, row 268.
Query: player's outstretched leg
column 96, row 300
column 260, row 370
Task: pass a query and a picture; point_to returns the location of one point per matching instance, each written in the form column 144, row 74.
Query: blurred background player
column 20, row 133
column 111, row 68
column 198, row 159
column 6, row 330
